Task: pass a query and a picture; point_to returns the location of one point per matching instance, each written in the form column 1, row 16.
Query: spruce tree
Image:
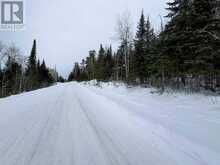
column 75, row 74
column 45, row 76
column 39, row 79
column 100, row 65
column 120, row 64
column 83, row 72
column 90, row 65
column 173, row 8
column 71, row 77
column 31, row 72
column 109, row 63
column 139, row 57
column 150, row 41
column 201, row 19
column 12, row 78
column 206, row 41
column 61, row 79
column 176, row 48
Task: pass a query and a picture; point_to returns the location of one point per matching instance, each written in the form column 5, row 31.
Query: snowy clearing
column 77, row 124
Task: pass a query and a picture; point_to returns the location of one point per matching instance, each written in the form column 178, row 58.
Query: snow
column 84, row 124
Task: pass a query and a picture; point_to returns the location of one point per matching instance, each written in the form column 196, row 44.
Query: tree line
column 19, row 73
column 184, row 55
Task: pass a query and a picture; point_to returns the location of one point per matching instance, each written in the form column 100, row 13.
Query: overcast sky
column 67, row 29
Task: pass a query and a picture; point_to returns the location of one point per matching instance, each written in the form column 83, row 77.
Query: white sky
column 67, row 29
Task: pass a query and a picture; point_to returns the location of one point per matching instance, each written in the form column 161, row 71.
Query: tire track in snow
column 102, row 137
column 51, row 116
column 19, row 139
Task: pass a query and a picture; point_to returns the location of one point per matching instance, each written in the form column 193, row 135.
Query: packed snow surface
column 80, row 124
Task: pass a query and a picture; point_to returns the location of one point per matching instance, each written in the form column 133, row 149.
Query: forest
column 20, row 73
column 184, row 55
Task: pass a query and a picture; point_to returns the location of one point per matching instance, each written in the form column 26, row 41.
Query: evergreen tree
column 71, row 77
column 120, row 64
column 83, row 72
column 12, row 77
column 139, row 58
column 201, row 18
column 31, row 72
column 174, row 8
column 132, row 66
column 185, row 54
column 215, row 32
column 39, row 73
column 38, row 66
column 109, row 63
column 206, row 41
column 61, row 79
column 15, row 79
column 77, row 72
column 45, row 76
column 100, row 65
column 75, row 75
column 91, row 65
column 176, row 50
column 150, row 41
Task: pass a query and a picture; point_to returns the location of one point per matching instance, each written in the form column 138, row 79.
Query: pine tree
column 201, row 17
column 174, row 8
column 100, row 65
column 13, row 73
column 176, row 49
column 39, row 80
column 109, row 63
column 75, row 74
column 71, row 77
column 61, row 79
column 77, row 71
column 83, row 72
column 206, row 41
column 45, row 76
column 91, row 65
column 150, row 41
column 32, row 59
column 120, row 64
column 132, row 66
column 31, row 72
column 215, row 31
column 139, row 58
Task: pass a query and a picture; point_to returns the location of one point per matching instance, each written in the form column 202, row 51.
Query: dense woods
column 20, row 73
column 184, row 55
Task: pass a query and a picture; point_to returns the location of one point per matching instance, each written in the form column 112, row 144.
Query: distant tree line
column 185, row 54
column 19, row 73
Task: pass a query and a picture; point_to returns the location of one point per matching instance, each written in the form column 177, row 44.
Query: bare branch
column 124, row 28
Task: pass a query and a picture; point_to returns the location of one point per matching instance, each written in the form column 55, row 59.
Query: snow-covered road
column 75, row 124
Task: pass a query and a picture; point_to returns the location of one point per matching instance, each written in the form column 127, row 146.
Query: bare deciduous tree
column 15, row 56
column 125, row 36
column 2, row 54
column 13, row 52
